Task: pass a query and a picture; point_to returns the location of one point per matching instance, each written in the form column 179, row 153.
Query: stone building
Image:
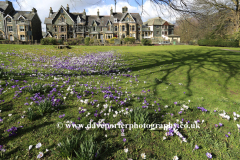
column 21, row 25
column 64, row 24
column 159, row 28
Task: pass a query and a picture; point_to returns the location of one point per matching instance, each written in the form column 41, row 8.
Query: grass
column 207, row 76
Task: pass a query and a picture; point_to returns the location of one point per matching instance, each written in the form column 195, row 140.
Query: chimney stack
column 67, row 8
column 34, row 10
column 111, row 12
column 98, row 13
column 51, row 12
column 124, row 9
column 84, row 14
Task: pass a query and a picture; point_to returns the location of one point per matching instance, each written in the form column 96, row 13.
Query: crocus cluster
column 202, row 108
column 224, row 115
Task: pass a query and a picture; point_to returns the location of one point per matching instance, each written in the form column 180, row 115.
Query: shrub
column 112, row 40
column 218, row 42
column 146, row 41
column 86, row 41
column 60, row 41
column 52, row 41
column 91, row 41
column 129, row 40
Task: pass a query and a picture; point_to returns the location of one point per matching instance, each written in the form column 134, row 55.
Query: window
column 115, row 20
column 21, row 28
column 139, row 28
column 116, row 28
column 86, row 29
column 9, row 19
column 10, row 28
column 166, row 27
column 123, row 35
column 109, row 28
column 157, row 26
column 162, row 27
column 101, row 28
column 61, row 11
column 146, row 34
column 166, row 33
column 22, row 37
column 21, row 20
column 157, row 32
column 130, row 35
column 94, row 28
column 123, row 28
column 55, row 29
column 62, row 29
column 162, row 32
column 62, row 19
column 55, row 36
column 133, row 28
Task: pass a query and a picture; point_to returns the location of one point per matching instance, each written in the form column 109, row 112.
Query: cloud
column 91, row 8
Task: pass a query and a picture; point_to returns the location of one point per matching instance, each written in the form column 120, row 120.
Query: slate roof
column 3, row 6
column 101, row 20
column 26, row 14
column 155, row 21
column 15, row 15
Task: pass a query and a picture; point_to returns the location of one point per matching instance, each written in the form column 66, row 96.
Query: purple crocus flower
column 124, row 139
column 175, row 103
column 196, row 147
column 209, row 155
column 220, row 124
column 226, row 135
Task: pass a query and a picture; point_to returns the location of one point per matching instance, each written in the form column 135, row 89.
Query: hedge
column 219, row 43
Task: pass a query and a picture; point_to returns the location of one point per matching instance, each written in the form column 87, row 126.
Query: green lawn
column 189, row 75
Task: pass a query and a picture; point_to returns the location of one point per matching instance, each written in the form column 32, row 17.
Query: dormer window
column 61, row 11
column 94, row 28
column 9, row 19
column 115, row 20
column 21, row 20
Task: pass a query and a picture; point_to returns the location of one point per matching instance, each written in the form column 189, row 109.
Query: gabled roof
column 64, row 11
column 101, row 20
column 21, row 16
column 48, row 33
column 156, row 21
column 125, row 14
column 108, row 22
column 26, row 14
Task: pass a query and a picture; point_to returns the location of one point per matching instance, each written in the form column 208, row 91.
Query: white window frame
column 8, row 19
column 22, row 37
column 116, row 28
column 21, row 28
column 9, row 28
column 115, row 20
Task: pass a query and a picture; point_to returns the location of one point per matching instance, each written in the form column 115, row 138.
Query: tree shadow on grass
column 23, row 130
column 226, row 62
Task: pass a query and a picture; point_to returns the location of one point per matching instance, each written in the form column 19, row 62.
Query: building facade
column 159, row 28
column 21, row 25
column 63, row 24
